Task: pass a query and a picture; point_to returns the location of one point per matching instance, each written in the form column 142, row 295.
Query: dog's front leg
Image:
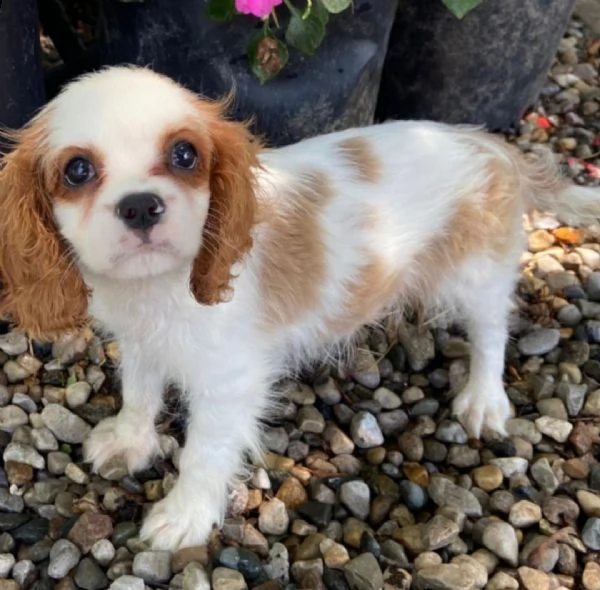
column 223, row 423
column 130, row 434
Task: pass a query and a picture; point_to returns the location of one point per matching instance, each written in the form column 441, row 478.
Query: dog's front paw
column 121, row 436
column 181, row 520
column 482, row 406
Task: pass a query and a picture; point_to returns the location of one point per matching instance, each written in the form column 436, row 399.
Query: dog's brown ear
column 232, row 210
column 41, row 289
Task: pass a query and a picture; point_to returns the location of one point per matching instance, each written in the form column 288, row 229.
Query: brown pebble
column 582, row 437
column 186, row 555
column 375, row 456
column 18, row 473
column 90, row 528
column 154, row 490
column 591, row 576
column 416, row 473
column 292, row 493
column 488, row 477
column 577, row 468
column 380, row 507
column 532, row 579
column 254, row 499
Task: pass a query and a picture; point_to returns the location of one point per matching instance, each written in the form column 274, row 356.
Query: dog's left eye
column 184, row 156
column 78, row 171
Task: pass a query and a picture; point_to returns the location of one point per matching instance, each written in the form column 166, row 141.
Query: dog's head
column 125, row 175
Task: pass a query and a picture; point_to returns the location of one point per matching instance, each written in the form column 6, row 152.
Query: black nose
column 140, row 210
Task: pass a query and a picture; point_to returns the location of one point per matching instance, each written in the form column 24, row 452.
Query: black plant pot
column 335, row 89
column 21, row 80
column 485, row 69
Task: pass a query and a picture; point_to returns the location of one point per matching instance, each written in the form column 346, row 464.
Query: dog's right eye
column 78, row 171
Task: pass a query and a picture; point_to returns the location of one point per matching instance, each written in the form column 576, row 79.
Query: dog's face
column 125, row 175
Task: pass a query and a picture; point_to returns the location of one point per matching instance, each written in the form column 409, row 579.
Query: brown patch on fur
column 488, row 222
column 295, row 258
column 231, row 217
column 84, row 195
column 193, row 132
column 41, row 289
column 375, row 287
column 358, row 152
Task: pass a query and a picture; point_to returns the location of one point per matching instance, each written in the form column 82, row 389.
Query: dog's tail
column 548, row 191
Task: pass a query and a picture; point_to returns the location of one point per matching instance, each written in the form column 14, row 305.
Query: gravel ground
column 369, row 483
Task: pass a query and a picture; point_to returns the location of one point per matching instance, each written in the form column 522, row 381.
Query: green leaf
column 460, row 8
column 336, row 6
column 306, row 33
column 220, row 10
column 318, row 10
column 267, row 55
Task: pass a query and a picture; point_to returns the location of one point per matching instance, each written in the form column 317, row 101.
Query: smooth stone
column 364, row 573
column 444, row 493
column 89, row 576
column 154, row 567
column 538, row 342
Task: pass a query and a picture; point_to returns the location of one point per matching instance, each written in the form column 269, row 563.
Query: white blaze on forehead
column 123, row 110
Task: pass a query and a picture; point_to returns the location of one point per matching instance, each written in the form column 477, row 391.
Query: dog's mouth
column 145, row 254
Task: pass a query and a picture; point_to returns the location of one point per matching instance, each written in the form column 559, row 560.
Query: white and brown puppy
column 218, row 264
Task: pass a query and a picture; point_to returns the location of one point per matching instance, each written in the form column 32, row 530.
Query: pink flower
column 259, row 8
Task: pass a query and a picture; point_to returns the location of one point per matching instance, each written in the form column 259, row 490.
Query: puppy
column 218, row 264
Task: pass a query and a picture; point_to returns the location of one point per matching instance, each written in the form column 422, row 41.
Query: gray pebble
column 7, row 560
column 43, row 439
column 128, row 583
column 538, row 342
column 450, row 431
column 365, row 430
column 154, row 567
column 11, row 417
column 13, row 343
column 224, row 578
column 273, row 518
column 412, row 495
column 445, row 493
column 64, row 556
column 592, row 286
column 5, row 395
column 309, row 419
column 366, row 370
column 387, row 398
column 590, row 535
column 57, row 462
column 569, row 315
column 364, row 573
column 15, row 372
column 24, row 402
column 22, row 453
column 65, row 425
column 573, row 396
column 393, row 422
column 89, row 576
column 524, row 429
column 24, row 573
column 556, row 429
column 276, row 439
column 10, row 502
column 328, row 391
column 77, row 394
column 419, row 345
column 278, row 563
column 542, row 473
column 356, row 496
